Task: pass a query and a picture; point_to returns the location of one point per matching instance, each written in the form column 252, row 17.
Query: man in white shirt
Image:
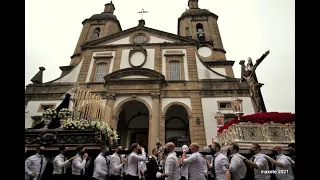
column 219, row 164
column 116, row 164
column 171, row 167
column 237, row 167
column 60, row 163
column 100, row 171
column 195, row 161
column 132, row 172
column 283, row 165
column 35, row 165
column 259, row 162
column 79, row 164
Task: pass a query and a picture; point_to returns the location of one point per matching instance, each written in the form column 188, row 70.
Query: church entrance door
column 133, row 124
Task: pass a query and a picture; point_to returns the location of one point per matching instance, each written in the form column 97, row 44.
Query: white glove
column 185, row 148
column 158, row 175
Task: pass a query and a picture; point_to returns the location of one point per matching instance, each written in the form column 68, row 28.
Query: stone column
column 154, row 122
column 110, row 103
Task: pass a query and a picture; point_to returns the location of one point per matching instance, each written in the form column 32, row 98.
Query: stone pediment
column 134, row 75
column 129, row 36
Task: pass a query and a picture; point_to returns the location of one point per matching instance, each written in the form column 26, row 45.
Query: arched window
column 174, row 70
column 200, row 32
column 101, row 71
column 96, row 33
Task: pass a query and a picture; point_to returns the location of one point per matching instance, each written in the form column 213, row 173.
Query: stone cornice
column 219, row 63
column 144, row 45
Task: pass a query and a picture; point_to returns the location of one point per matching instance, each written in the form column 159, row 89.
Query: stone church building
column 157, row 84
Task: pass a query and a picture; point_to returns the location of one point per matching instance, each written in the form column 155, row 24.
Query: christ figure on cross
column 142, row 12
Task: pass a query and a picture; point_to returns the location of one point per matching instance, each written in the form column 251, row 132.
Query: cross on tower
column 141, row 12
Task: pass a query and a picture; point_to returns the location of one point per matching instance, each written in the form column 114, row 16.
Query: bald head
column 170, row 146
column 277, row 148
column 194, row 147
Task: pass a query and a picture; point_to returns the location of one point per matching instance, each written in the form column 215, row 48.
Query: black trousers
column 78, row 177
column 183, row 178
column 129, row 177
column 59, row 177
column 114, row 177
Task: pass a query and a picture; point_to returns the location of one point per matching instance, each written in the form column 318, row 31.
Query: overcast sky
column 248, row 28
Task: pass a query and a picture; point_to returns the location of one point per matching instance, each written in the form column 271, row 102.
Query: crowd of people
column 166, row 164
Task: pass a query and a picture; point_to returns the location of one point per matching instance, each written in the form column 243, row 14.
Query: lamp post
column 220, row 119
column 236, row 104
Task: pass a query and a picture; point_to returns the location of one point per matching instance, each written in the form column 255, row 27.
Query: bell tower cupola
column 201, row 24
column 95, row 27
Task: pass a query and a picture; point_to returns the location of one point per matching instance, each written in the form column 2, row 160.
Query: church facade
column 157, row 84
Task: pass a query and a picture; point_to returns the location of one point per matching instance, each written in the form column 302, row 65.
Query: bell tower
column 95, row 27
column 201, row 24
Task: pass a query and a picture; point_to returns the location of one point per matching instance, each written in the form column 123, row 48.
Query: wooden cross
column 141, row 12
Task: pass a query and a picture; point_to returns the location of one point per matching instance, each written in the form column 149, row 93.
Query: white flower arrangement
column 77, row 124
column 49, row 114
column 64, row 113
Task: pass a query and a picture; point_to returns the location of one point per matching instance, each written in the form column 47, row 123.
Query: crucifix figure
column 142, row 12
column 248, row 74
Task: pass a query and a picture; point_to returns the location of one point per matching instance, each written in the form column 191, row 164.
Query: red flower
column 261, row 118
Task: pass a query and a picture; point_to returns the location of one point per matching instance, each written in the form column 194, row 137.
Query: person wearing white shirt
column 100, row 170
column 259, row 162
column 283, row 165
column 237, row 166
column 132, row 172
column 116, row 164
column 184, row 167
column 35, row 165
column 60, row 163
column 171, row 167
column 79, row 164
column 142, row 169
column 219, row 165
column 195, row 161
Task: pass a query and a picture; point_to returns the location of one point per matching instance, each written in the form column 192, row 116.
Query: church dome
column 103, row 16
column 196, row 11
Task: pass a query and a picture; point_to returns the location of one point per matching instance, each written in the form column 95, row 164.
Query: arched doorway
column 133, row 124
column 177, row 125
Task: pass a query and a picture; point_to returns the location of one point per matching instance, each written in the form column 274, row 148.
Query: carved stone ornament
column 155, row 96
column 138, row 56
column 111, row 96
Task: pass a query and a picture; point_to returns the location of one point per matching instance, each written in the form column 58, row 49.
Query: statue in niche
column 200, row 32
column 248, row 74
